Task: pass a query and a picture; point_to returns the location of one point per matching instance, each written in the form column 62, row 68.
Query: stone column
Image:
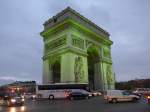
column 105, row 75
column 47, row 74
column 50, row 76
column 98, row 76
column 112, row 79
column 67, row 68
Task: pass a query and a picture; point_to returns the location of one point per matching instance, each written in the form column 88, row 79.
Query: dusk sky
column 21, row 46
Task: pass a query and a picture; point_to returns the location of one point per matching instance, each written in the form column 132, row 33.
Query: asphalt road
column 96, row 104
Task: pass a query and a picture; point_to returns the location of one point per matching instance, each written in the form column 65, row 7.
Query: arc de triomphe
column 76, row 51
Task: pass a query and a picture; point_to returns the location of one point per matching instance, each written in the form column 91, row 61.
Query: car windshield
column 77, row 92
column 83, row 91
column 125, row 93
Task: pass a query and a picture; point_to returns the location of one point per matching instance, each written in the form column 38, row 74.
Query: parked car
column 133, row 93
column 79, row 94
column 142, row 91
column 115, row 96
column 137, row 94
column 10, row 99
column 29, row 95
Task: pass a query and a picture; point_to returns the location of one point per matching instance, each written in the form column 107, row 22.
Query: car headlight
column 13, row 100
column 22, row 99
column 33, row 96
column 90, row 94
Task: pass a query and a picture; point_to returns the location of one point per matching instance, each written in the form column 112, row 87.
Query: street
column 96, row 104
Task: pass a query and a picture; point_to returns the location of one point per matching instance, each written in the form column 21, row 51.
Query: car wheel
column 86, row 97
column 51, row 97
column 114, row 100
column 39, row 95
column 134, row 100
column 71, row 98
column 107, row 101
column 21, row 104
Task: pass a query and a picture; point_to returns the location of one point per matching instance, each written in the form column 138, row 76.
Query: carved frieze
column 55, row 44
column 78, row 42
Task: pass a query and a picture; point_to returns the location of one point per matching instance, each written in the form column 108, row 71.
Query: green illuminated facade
column 76, row 51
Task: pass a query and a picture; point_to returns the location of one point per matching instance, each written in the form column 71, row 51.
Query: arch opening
column 56, row 72
column 93, row 57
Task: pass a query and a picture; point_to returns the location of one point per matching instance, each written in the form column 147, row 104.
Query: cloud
column 21, row 45
column 8, row 78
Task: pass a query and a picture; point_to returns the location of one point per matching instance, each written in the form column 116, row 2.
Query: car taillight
column 148, row 97
column 66, row 94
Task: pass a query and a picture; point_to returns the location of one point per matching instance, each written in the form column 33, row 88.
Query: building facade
column 76, row 51
column 19, row 87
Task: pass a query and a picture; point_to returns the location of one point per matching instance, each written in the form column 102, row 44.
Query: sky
column 21, row 46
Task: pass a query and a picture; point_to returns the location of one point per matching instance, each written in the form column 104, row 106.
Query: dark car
column 134, row 93
column 137, row 94
column 11, row 99
column 79, row 95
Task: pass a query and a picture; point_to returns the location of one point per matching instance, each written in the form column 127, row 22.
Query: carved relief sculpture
column 78, row 69
column 109, row 75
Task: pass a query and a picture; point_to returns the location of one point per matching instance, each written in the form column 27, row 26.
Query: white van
column 119, row 95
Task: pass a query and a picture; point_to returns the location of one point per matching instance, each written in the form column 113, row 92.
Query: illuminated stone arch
column 76, row 41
